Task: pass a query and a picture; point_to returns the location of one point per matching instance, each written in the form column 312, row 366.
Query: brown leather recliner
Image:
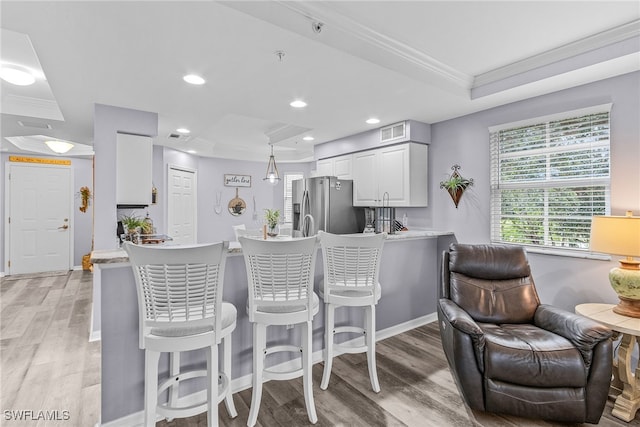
column 510, row 354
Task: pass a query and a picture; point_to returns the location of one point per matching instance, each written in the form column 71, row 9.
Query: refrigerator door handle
column 304, row 208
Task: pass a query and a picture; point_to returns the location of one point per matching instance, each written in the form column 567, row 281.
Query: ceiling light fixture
column 298, row 104
column 193, row 79
column 17, row 77
column 272, row 174
column 308, row 138
column 191, row 151
column 373, row 121
column 59, row 147
column 183, row 130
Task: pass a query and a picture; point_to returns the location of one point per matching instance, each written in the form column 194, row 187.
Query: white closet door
column 182, row 212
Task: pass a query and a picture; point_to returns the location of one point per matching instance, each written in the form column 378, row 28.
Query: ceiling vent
column 178, row 137
column 392, row 132
column 34, row 125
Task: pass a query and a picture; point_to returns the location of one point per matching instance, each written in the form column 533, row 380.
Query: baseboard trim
column 240, row 384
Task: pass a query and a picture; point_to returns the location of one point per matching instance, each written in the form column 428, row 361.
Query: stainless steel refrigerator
column 329, row 203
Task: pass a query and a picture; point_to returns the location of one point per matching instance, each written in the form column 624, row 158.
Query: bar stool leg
column 174, row 370
column 259, row 347
column 212, row 386
column 329, row 315
column 151, row 359
column 226, row 369
column 307, row 365
column 370, row 338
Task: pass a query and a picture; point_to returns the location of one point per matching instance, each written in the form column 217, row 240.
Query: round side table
column 625, row 386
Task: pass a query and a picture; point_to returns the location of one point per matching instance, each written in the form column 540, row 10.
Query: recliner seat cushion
column 526, row 355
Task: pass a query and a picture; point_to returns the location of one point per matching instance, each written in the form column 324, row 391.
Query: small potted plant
column 272, row 217
column 132, row 224
column 456, row 185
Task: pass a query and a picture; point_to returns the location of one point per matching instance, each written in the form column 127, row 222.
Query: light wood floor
column 47, row 363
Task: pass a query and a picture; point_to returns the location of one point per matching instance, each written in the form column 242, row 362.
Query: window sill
column 562, row 252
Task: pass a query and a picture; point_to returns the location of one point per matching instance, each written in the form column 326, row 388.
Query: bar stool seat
column 280, row 276
column 351, row 269
column 181, row 309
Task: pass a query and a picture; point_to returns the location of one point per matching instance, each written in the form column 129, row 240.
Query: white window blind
column 288, row 195
column 548, row 179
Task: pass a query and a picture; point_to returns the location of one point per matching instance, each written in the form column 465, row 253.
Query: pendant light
column 272, row 170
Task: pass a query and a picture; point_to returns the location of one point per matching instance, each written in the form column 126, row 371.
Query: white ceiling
column 422, row 60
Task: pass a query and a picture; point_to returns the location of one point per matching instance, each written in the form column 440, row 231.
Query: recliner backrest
column 492, row 283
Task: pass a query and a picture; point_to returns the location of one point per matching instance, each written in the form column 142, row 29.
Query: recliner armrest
column 583, row 332
column 458, row 318
column 463, row 322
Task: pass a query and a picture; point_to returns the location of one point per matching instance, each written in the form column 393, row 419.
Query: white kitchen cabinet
column 134, row 159
column 335, row 166
column 324, row 167
column 398, row 170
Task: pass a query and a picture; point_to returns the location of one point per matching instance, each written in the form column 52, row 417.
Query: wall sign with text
column 237, row 180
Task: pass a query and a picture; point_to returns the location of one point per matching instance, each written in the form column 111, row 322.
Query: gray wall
column 560, row 280
column 82, row 172
column 107, row 122
column 214, row 227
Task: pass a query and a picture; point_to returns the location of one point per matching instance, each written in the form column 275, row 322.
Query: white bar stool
column 351, row 268
column 280, row 276
column 181, row 309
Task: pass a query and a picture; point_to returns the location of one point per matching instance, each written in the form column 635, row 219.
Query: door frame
column 7, row 210
column 195, row 196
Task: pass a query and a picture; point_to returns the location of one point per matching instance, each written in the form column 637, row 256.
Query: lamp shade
column 616, row 235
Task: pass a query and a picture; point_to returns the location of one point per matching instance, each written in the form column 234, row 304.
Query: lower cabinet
column 396, row 173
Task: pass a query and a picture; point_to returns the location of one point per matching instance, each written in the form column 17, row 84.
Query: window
column 549, row 177
column 288, row 195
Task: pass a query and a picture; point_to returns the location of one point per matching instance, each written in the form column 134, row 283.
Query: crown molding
column 605, row 38
column 398, row 49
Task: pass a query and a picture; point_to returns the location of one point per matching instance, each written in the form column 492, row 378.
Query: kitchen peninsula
column 409, row 276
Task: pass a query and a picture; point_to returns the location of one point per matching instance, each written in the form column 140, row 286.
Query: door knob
column 64, row 227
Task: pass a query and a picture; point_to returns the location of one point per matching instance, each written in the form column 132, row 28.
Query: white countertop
column 118, row 255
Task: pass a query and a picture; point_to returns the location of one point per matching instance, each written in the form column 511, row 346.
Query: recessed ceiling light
column 183, row 130
column 373, row 121
column 308, row 138
column 193, row 79
column 59, row 147
column 298, row 104
column 191, row 151
column 16, row 77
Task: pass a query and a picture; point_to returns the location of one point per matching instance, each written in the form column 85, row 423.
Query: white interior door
column 181, row 215
column 40, row 207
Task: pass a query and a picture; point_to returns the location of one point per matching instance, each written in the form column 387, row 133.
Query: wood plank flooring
column 47, row 363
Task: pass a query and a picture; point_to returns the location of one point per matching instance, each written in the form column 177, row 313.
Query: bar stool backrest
column 280, row 274
column 352, row 263
column 178, row 287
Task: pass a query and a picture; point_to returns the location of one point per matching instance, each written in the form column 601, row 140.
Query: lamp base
column 628, row 307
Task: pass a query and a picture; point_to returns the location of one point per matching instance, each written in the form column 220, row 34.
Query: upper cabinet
column 400, row 171
column 336, row 166
column 134, row 159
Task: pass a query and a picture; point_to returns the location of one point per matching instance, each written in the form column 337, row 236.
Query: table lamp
column 620, row 235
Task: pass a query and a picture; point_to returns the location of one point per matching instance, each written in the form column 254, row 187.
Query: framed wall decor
column 231, row 180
